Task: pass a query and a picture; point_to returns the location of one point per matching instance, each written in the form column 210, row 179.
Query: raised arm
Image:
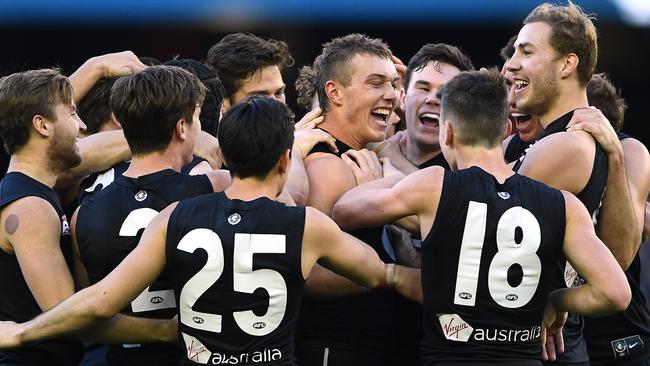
column 112, row 64
column 98, row 152
column 622, row 211
column 371, row 205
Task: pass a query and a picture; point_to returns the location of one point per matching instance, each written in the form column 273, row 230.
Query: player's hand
column 312, row 119
column 593, row 121
column 392, row 147
column 364, row 165
column 305, row 139
column 207, row 147
column 551, row 335
column 389, row 169
column 118, row 64
column 408, row 283
column 9, row 335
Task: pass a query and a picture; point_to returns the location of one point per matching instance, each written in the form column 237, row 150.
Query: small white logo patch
column 141, row 196
column 234, row 219
column 504, row 195
column 454, row 327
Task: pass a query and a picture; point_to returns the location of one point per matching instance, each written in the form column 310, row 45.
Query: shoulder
column 567, row 144
column 220, row 179
column 634, row 147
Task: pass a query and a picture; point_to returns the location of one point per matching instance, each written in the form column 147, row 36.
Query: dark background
column 622, row 48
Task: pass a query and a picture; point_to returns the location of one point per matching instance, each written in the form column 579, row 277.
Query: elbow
column 618, row 297
column 342, row 217
column 101, row 308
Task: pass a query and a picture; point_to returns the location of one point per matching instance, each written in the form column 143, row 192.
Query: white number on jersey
column 135, row 221
column 245, row 280
column 509, row 253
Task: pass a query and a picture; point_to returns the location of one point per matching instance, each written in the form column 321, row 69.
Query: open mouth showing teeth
column 520, row 84
column 381, row 114
column 521, row 118
column 430, row 119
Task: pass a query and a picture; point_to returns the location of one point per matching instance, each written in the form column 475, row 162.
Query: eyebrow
column 524, row 44
column 257, row 92
column 382, row 76
column 422, row 82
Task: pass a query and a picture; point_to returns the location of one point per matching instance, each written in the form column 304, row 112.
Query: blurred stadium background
column 64, row 33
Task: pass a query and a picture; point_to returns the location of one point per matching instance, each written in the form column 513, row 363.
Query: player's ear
column 42, row 125
column 449, row 133
column 179, row 130
column 402, row 99
column 333, row 92
column 569, row 65
column 508, row 131
column 285, row 160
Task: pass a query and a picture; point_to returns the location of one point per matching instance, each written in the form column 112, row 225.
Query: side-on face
column 265, row 81
column 422, row 107
column 371, row 96
column 528, row 126
column 63, row 150
column 534, row 69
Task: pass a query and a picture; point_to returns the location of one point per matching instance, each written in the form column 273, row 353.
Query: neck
column 418, row 156
column 488, row 159
column 154, row 162
column 339, row 128
column 251, row 188
column 36, row 166
column 573, row 97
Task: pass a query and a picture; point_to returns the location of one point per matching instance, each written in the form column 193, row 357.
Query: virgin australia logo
column 454, row 327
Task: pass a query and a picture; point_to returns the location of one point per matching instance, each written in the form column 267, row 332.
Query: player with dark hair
column 428, row 70
column 238, row 259
column 250, row 65
column 492, row 238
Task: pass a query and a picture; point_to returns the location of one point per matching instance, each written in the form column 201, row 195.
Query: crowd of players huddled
column 427, row 213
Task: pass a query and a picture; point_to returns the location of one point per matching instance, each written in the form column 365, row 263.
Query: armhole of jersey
column 442, row 205
column 301, row 213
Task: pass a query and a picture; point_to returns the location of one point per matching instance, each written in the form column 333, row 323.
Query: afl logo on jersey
column 156, row 300
column 512, row 297
column 504, row 195
column 141, row 196
column 465, row 295
column 259, row 325
column 234, row 219
column 198, row 320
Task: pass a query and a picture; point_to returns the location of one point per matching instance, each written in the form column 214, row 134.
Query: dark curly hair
column 239, row 55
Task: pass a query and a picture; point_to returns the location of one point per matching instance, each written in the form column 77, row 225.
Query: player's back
column 487, row 266
column 237, row 277
column 109, row 225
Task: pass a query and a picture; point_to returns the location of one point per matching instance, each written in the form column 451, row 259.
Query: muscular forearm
column 127, row 329
column 589, row 301
column 98, row 152
column 297, row 184
column 72, row 315
column 324, row 283
column 617, row 226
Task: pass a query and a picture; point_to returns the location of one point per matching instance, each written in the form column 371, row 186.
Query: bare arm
column 98, row 152
column 112, row 64
column 297, row 184
column 621, row 207
column 417, row 194
column 548, row 159
column 38, row 250
column 325, row 242
column 606, row 290
column 104, row 299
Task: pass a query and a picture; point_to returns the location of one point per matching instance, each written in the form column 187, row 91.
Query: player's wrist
column 390, row 275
